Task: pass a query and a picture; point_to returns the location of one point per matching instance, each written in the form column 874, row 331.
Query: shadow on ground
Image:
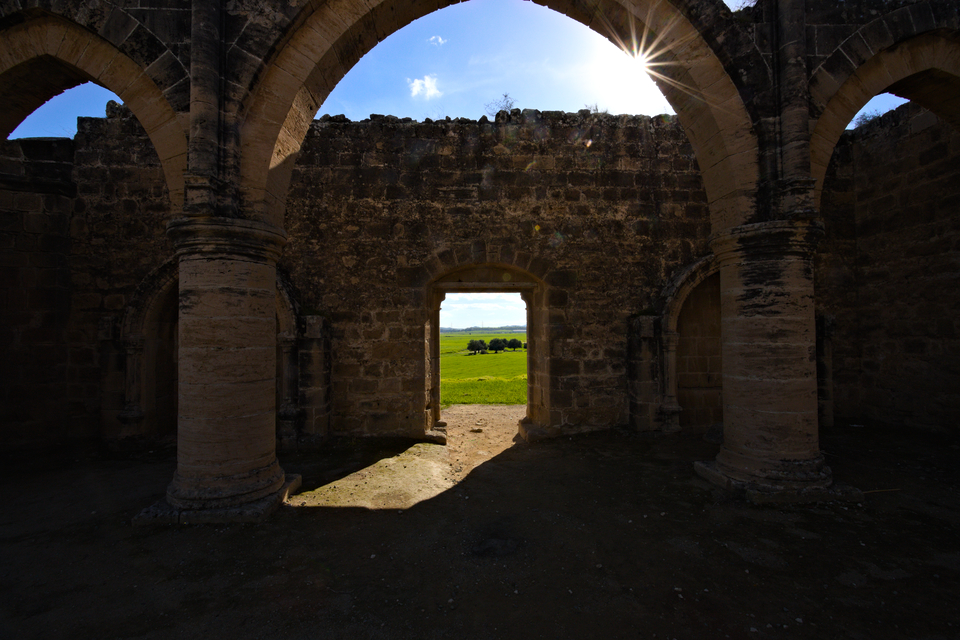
column 608, row 535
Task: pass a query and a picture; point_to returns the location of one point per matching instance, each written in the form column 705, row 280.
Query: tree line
column 496, row 345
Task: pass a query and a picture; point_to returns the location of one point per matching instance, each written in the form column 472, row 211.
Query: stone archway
column 924, row 68
column 700, row 280
column 66, row 55
column 327, row 41
column 499, row 279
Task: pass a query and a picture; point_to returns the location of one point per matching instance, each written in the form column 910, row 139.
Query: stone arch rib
column 326, row 43
column 676, row 293
column 72, row 55
column 921, row 64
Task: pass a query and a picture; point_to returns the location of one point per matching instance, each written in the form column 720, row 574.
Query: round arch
column 327, row 40
column 924, row 68
column 63, row 55
column 673, row 299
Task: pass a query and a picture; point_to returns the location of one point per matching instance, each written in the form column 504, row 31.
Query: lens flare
column 653, row 49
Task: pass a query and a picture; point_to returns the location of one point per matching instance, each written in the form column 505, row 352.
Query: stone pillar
column 527, row 297
column 771, row 440
column 226, row 441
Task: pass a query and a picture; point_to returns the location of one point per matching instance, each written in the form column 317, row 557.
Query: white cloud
column 437, row 41
column 482, row 309
column 425, row 86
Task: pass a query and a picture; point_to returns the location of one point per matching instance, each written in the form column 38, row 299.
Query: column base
column 252, row 512
column 208, row 491
column 778, row 475
column 766, row 491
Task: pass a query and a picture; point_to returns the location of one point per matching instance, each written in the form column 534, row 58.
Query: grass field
column 491, row 378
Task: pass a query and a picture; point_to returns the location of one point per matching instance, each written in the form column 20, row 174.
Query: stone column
column 771, row 440
column 527, row 297
column 226, row 439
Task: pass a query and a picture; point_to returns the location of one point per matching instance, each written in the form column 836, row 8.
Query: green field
column 491, row 378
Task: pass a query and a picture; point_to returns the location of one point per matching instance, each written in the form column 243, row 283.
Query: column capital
column 227, row 236
column 767, row 239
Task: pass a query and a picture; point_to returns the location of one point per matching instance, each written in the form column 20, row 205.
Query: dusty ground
column 602, row 536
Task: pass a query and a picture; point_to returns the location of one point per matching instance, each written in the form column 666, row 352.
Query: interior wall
column 896, row 310
column 603, row 209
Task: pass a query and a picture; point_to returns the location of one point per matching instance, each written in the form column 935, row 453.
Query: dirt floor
column 608, row 535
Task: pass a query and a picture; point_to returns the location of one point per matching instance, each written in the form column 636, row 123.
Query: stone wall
column 887, row 274
column 38, row 372
column 602, row 210
column 118, row 235
column 83, row 224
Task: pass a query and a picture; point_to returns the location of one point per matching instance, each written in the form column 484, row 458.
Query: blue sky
column 453, row 63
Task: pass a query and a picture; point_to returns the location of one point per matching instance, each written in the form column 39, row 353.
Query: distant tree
column 497, row 344
column 505, row 103
column 514, row 344
column 865, row 117
column 476, row 345
column 524, row 345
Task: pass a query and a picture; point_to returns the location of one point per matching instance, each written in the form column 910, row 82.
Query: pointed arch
column 46, row 55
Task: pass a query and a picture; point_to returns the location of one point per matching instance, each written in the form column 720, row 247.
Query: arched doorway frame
column 673, row 298
column 80, row 56
column 327, row 40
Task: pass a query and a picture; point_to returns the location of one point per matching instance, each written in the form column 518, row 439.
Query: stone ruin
column 241, row 278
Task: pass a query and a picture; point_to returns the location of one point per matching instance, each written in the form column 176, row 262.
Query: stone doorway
column 496, row 375
column 491, row 279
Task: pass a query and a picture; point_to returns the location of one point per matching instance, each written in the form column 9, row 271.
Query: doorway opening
column 483, row 349
column 483, row 363
column 501, row 367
